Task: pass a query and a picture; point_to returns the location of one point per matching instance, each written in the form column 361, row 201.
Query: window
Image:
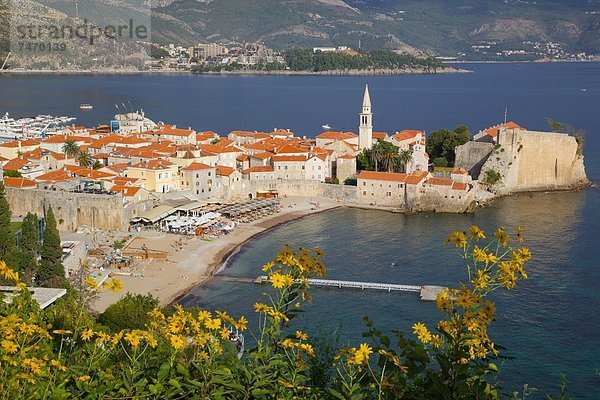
column 389, row 194
column 364, row 183
column 197, row 175
column 319, row 167
column 209, row 173
column 303, row 167
column 364, row 193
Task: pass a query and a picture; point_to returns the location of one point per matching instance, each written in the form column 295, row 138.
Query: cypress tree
column 25, row 258
column 51, row 272
column 7, row 240
column 29, row 240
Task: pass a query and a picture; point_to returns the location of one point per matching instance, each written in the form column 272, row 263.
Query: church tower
column 365, row 130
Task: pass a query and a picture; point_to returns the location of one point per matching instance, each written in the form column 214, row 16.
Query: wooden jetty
column 426, row 292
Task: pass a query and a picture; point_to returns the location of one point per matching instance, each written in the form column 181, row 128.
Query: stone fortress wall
column 74, row 210
column 535, row 161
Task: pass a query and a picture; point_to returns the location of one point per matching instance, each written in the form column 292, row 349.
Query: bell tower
column 365, row 130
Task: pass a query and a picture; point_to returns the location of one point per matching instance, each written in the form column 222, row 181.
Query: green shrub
column 130, row 312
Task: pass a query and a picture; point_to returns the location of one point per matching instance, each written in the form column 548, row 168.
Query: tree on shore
column 404, row 157
column 7, row 242
column 442, row 143
column 25, row 257
column 51, row 272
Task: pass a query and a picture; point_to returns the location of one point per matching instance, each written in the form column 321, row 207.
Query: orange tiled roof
column 382, row 176
column 379, row 135
column 169, row 130
column 289, row 158
column 57, row 139
column 288, row 148
column 262, row 168
column 459, row 186
column 15, row 164
column 493, row 131
column 23, row 143
column 195, row 166
column 224, row 171
column 118, row 168
column 243, row 157
column 154, row 164
column 407, row 134
column 55, row 176
column 337, row 135
column 127, row 191
column 282, row 132
column 263, row 156
column 93, row 174
column 440, row 181
column 347, row 157
column 18, row 182
column 416, row 177
column 206, row 135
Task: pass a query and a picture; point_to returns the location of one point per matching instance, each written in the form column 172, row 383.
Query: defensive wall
column 534, row 161
column 73, row 210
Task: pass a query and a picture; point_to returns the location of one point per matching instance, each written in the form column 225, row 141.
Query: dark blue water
column 550, row 324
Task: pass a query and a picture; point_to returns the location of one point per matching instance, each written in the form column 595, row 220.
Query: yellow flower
column 261, row 307
column 133, row 338
column 363, row 352
column 9, row 346
column 102, row 337
column 241, row 323
column 177, row 341
column 301, row 335
column 436, row 341
column 443, row 301
column 214, row 323
column 422, row 332
column 151, row 341
column 32, row 364
column 459, row 239
column 288, row 343
column 501, row 236
column 84, row 378
column 520, row 234
column 87, row 334
column 115, row 285
column 476, row 233
column 91, row 283
column 280, row 281
column 308, row 349
column 58, row 365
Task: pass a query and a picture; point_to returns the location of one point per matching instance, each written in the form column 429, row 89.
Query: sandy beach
column 191, row 261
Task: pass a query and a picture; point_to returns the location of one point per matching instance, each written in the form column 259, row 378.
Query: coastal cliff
column 527, row 161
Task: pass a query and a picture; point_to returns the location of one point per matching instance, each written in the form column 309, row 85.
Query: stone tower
column 365, row 130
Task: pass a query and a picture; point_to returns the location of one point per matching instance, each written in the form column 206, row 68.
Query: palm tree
column 97, row 165
column 84, row 158
column 377, row 153
column 404, row 158
column 390, row 161
column 70, row 148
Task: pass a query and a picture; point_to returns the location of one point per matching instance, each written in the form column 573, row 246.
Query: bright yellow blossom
column 214, row 323
column 422, row 332
column 87, row 334
column 459, row 239
column 9, row 346
column 301, row 335
column 476, row 233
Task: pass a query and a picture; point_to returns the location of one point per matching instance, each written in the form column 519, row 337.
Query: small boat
column 326, row 126
column 86, row 106
column 584, row 90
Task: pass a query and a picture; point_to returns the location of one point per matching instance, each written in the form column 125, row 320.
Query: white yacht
column 11, row 129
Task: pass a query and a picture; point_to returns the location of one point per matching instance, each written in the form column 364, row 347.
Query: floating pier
column 427, row 292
